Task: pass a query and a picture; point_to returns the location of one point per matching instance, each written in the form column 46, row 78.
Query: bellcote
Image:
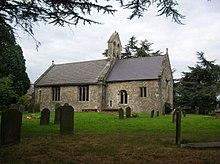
column 114, row 46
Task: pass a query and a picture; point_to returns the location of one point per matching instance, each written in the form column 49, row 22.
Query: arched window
column 114, row 50
column 123, row 97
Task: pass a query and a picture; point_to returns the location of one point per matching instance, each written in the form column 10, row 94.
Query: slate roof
column 145, row 68
column 72, row 73
column 89, row 72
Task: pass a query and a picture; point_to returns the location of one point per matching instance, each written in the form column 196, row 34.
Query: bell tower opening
column 114, row 46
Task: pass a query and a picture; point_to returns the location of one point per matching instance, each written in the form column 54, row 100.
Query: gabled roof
column 144, row 68
column 86, row 72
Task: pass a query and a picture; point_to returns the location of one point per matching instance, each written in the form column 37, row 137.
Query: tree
column 12, row 65
column 26, row 13
column 135, row 50
column 7, row 93
column 199, row 87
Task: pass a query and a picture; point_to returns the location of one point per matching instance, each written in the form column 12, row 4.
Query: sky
column 201, row 32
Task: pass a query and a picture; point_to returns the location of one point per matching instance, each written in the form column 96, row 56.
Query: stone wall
column 166, row 83
column 69, row 94
column 137, row 103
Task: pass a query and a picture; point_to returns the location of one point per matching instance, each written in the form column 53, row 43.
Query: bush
column 134, row 115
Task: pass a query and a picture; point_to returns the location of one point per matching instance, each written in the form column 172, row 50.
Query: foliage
column 135, row 49
column 25, row 100
column 26, row 13
column 12, row 62
column 199, row 87
column 7, row 93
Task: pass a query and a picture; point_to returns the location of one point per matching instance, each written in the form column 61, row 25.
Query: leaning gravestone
column 152, row 113
column 57, row 113
column 158, row 113
column 66, row 120
column 128, row 112
column 45, row 117
column 121, row 113
column 11, row 121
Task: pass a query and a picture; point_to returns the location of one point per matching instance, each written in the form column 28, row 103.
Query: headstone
column 128, row 112
column 217, row 114
column 174, row 116
column 158, row 113
column 66, row 104
column 66, row 120
column 45, row 117
column 36, row 107
column 11, row 121
column 121, row 113
column 184, row 113
column 152, row 113
column 178, row 126
column 57, row 114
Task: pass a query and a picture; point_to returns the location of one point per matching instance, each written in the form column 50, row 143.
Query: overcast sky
column 201, row 32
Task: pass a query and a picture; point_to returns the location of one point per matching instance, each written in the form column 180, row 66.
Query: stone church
column 143, row 84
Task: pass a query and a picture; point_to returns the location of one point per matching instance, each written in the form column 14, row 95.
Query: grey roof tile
column 72, row 73
column 144, row 68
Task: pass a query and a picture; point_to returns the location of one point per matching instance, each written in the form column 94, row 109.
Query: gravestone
column 57, row 113
column 36, row 107
column 66, row 120
column 121, row 113
column 184, row 113
column 178, row 127
column 158, row 113
column 217, row 114
column 45, row 117
column 128, row 112
column 11, row 121
column 152, row 113
column 174, row 115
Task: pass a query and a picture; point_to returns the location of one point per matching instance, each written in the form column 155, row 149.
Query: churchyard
column 98, row 137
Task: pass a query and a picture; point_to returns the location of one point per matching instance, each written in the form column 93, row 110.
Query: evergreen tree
column 26, row 13
column 200, row 86
column 12, row 65
column 134, row 50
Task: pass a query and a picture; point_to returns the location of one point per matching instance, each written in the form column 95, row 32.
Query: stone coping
column 201, row 145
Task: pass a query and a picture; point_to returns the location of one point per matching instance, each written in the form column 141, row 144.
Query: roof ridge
column 78, row 62
column 142, row 57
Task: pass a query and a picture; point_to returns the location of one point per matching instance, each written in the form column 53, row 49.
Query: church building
column 144, row 84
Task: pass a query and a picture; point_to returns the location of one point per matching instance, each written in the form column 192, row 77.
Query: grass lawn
column 103, row 138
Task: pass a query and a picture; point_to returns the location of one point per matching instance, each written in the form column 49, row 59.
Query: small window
column 56, row 93
column 84, row 93
column 143, row 92
column 123, row 97
column 110, row 103
column 39, row 98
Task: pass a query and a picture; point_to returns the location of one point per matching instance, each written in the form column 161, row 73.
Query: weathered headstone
column 121, row 113
column 178, row 126
column 36, row 107
column 11, row 121
column 152, row 113
column 66, row 120
column 217, row 114
column 158, row 113
column 184, row 113
column 57, row 113
column 45, row 117
column 174, row 116
column 128, row 112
